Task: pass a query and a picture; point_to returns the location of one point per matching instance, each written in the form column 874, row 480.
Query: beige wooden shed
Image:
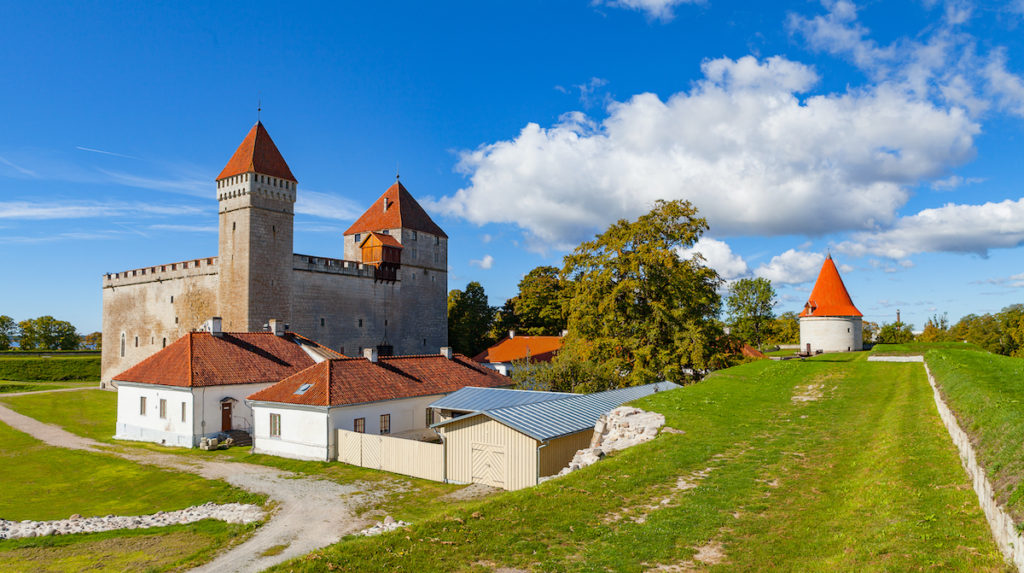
column 511, row 438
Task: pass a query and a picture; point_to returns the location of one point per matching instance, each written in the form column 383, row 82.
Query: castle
column 387, row 292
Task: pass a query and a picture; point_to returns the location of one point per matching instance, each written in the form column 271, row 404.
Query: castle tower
column 416, row 313
column 256, row 194
column 829, row 321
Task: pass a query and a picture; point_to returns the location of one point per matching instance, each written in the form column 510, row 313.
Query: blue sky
column 888, row 133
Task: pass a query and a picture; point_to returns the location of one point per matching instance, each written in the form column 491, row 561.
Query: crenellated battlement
column 333, row 266
column 169, row 271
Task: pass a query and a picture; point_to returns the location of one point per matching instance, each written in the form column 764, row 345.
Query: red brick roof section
column 357, row 380
column 402, row 212
column 829, row 296
column 257, row 153
column 200, row 359
column 538, row 348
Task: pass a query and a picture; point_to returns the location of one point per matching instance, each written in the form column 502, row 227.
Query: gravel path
column 311, row 513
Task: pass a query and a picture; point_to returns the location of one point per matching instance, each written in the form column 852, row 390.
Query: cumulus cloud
column 655, row 9
column 719, row 256
column 791, row 267
column 484, row 263
column 754, row 157
column 951, row 228
column 953, row 181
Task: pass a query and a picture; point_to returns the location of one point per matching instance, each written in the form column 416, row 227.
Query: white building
column 299, row 416
column 829, row 321
column 196, row 386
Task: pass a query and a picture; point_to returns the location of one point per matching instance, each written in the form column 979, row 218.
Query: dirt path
column 311, row 513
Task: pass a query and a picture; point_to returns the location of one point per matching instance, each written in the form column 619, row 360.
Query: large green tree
column 786, row 328
column 644, row 312
column 47, row 333
column 8, row 332
column 469, row 319
column 540, row 304
column 895, row 333
column 750, row 307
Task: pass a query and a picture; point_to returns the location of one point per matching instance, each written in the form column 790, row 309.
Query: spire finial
column 259, row 108
column 398, row 174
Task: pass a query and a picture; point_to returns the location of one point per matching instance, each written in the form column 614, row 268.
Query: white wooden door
column 489, row 464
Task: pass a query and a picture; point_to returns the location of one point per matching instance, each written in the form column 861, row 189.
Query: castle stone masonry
column 395, row 302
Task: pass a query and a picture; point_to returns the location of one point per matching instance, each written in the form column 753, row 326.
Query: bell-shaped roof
column 829, row 296
column 396, row 209
column 257, row 153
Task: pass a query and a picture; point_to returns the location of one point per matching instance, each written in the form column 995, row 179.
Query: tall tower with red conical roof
column 256, row 194
column 829, row 321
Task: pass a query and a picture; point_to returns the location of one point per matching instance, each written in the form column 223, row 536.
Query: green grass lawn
column 856, row 474
column 919, row 348
column 90, row 413
column 11, row 386
column 986, row 391
column 42, row 482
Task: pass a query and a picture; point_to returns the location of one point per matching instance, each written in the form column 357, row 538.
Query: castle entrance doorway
column 225, row 416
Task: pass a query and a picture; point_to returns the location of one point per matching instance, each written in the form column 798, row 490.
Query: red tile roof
column 402, row 212
column 384, row 240
column 829, row 296
column 538, row 348
column 201, row 359
column 257, row 153
column 357, row 380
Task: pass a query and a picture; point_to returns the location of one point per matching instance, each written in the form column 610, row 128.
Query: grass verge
column 825, row 464
column 919, row 348
column 90, row 413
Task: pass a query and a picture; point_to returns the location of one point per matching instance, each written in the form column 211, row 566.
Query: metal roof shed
column 512, row 446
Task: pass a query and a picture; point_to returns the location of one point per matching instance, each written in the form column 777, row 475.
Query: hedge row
column 50, row 369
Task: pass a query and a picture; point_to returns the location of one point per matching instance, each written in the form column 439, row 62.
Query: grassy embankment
column 49, row 368
column 825, row 464
column 986, row 392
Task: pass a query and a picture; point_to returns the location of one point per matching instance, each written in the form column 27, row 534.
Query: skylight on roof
column 302, row 389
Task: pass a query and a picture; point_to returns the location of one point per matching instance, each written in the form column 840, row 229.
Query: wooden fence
column 408, row 457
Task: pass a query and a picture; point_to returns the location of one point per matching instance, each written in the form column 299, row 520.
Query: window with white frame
column 359, row 425
column 142, row 405
column 385, row 423
column 275, row 425
column 163, row 409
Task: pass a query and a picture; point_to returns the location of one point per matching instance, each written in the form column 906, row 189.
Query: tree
column 572, row 370
column 895, row 333
column 786, row 329
column 868, row 332
column 92, row 341
column 936, row 329
column 749, row 306
column 645, row 313
column 8, row 332
column 469, row 319
column 47, row 333
column 540, row 304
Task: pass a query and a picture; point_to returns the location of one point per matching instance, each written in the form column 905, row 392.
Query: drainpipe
column 539, row 448
column 444, row 456
column 327, row 423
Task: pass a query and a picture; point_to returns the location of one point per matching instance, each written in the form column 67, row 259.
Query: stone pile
column 619, row 429
column 229, row 512
column 389, row 524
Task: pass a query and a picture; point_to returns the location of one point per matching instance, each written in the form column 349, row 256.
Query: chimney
column 446, row 351
column 370, row 353
column 511, row 334
column 213, row 326
column 278, row 327
column 385, row 204
column 897, row 316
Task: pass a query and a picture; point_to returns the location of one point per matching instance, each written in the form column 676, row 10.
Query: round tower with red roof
column 829, row 321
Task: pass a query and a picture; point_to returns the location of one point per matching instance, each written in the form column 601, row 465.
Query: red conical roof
column 257, row 153
column 829, row 297
column 396, row 209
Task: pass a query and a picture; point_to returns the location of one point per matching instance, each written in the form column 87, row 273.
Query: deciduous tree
column 540, row 304
column 93, row 340
column 786, row 329
column 8, row 332
column 750, row 307
column 645, row 313
column 895, row 333
column 469, row 319
column 47, row 333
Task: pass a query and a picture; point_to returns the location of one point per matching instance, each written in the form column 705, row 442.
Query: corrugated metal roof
column 566, row 414
column 473, row 399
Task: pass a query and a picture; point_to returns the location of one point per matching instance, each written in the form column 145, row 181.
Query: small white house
column 196, row 386
column 298, row 417
column 829, row 321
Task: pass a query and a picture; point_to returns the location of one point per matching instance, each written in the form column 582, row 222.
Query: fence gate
column 489, row 464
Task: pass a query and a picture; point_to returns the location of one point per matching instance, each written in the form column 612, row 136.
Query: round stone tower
column 829, row 321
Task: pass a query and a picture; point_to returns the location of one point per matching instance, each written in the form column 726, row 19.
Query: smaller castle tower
column 256, row 193
column 829, row 321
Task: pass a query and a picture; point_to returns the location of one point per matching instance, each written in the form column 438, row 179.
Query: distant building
column 386, row 288
column 515, row 347
column 829, row 321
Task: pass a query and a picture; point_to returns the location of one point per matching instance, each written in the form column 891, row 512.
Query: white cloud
column 185, row 228
column 326, row 205
column 100, row 151
column 196, row 186
column 951, row 228
column 655, row 9
column 792, row 267
column 1007, row 87
column 719, row 256
column 18, row 168
column 84, row 210
column 741, row 145
column 484, row 263
column 952, row 182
